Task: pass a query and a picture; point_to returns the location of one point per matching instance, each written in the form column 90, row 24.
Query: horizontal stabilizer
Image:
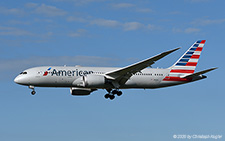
column 198, row 73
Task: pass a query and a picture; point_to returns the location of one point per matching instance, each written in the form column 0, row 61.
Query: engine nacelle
column 80, row 91
column 95, row 81
column 90, row 81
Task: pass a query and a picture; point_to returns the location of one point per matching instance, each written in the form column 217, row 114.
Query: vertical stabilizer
column 187, row 63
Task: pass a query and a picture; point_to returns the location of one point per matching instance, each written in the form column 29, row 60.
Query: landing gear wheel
column 111, row 97
column 119, row 93
column 114, row 92
column 33, row 92
column 111, row 93
column 107, row 96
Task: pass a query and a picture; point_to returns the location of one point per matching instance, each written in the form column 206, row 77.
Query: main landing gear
column 33, row 92
column 111, row 94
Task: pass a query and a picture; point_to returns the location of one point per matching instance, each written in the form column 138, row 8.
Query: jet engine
column 91, row 81
column 94, row 80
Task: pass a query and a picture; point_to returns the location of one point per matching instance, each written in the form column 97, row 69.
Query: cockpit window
column 23, row 72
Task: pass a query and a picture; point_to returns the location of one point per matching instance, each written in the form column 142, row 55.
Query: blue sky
column 109, row 33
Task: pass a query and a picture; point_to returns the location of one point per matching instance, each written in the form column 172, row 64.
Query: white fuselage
column 58, row 76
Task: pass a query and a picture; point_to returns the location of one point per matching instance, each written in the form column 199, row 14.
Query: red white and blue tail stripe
column 187, row 63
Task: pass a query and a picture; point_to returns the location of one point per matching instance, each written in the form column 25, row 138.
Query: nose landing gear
column 33, row 92
column 111, row 94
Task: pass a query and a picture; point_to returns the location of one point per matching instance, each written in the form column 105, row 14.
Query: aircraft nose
column 17, row 80
column 21, row 80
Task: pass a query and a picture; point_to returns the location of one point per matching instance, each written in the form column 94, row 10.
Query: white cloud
column 104, row 22
column 199, row 0
column 78, row 33
column 16, row 22
column 144, row 10
column 12, row 31
column 31, row 5
column 177, row 30
column 187, row 30
column 175, row 13
column 152, row 27
column 122, row 5
column 43, row 9
column 191, row 30
column 79, row 2
column 208, row 21
column 76, row 19
column 127, row 26
column 132, row 26
column 43, row 20
column 132, row 7
column 12, row 11
column 48, row 10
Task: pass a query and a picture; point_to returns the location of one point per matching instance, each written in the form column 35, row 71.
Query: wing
column 123, row 74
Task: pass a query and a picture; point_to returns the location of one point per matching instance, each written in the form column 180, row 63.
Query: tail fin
column 187, row 63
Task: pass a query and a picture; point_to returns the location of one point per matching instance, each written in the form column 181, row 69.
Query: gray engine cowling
column 95, row 81
column 91, row 81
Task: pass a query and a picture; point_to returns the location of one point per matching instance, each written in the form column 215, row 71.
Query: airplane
column 140, row 75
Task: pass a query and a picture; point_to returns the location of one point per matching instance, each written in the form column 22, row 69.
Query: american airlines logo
column 46, row 72
column 75, row 72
